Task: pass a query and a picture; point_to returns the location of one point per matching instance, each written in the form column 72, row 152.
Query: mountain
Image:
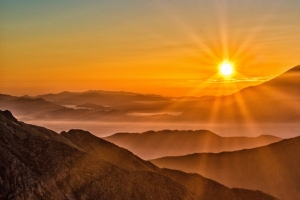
column 273, row 169
column 37, row 108
column 26, row 106
column 107, row 151
column 277, row 100
column 245, row 111
column 37, row 163
column 283, row 86
column 151, row 144
column 118, row 100
column 250, row 105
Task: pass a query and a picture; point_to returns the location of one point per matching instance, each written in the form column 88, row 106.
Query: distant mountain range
column 273, row 168
column 151, row 144
column 118, row 100
column 37, row 163
column 277, row 100
column 26, row 106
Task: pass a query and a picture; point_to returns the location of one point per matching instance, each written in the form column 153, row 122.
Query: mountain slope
column 37, row 163
column 285, row 85
column 107, row 151
column 208, row 189
column 56, row 170
column 273, row 168
column 151, row 144
column 253, row 104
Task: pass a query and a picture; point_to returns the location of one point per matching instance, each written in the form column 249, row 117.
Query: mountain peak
column 297, row 68
column 76, row 132
column 8, row 115
column 269, row 136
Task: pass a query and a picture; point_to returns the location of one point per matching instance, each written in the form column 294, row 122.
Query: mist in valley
column 103, row 129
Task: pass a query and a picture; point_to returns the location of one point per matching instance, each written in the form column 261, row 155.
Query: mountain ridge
column 38, row 163
column 155, row 144
column 272, row 168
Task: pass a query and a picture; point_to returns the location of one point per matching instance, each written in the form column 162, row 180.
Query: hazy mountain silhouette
column 118, row 100
column 93, row 106
column 273, row 168
column 283, row 86
column 38, row 108
column 26, row 106
column 37, row 163
column 82, row 114
column 151, row 144
column 277, row 100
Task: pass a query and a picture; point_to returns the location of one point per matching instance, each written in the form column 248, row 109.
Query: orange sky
column 162, row 47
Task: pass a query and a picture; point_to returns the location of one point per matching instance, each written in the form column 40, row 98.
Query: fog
column 102, row 129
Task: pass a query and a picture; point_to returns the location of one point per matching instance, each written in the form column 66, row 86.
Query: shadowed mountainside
column 107, row 151
column 37, row 163
column 273, row 168
column 151, row 144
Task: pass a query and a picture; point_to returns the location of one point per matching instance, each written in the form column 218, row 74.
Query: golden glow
column 226, row 68
column 158, row 52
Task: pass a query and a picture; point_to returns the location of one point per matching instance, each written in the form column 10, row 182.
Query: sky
column 171, row 48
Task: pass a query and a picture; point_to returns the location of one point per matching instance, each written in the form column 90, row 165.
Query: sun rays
column 228, row 59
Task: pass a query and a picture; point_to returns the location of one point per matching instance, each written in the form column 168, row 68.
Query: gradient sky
column 158, row 46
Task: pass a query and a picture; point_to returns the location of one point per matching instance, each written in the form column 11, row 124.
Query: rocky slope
column 37, row 163
column 273, row 169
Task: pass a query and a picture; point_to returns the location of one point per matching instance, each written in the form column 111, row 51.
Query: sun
column 226, row 68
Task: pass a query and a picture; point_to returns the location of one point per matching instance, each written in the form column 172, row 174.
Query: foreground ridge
column 37, row 163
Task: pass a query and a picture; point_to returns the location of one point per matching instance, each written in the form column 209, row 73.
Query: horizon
column 249, row 112
column 34, row 94
column 90, row 90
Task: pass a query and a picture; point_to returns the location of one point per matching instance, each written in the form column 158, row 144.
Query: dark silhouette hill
column 151, row 144
column 273, row 169
column 37, row 163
